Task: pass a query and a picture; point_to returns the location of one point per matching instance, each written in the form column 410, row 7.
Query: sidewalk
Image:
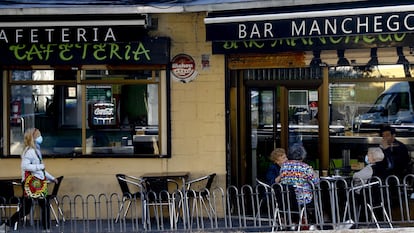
column 131, row 227
column 384, row 230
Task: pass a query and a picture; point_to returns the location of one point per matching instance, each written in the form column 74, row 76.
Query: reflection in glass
column 35, row 106
column 374, row 71
column 262, row 117
column 121, row 119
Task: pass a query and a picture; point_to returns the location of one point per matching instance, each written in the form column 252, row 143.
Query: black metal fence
column 338, row 202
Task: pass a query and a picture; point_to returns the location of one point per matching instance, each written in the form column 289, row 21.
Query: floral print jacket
column 299, row 175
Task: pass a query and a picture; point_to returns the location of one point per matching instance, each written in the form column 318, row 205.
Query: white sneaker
column 313, row 228
column 4, row 228
column 346, row 225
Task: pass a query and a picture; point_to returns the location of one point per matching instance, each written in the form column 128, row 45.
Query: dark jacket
column 396, row 159
column 272, row 172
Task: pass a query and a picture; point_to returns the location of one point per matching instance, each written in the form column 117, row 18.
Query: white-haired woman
column 373, row 167
column 376, row 168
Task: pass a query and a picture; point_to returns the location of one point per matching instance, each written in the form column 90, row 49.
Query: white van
column 394, row 106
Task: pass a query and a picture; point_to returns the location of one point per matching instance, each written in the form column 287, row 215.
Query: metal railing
column 337, row 203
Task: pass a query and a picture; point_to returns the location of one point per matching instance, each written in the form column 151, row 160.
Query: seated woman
column 299, row 175
column 376, row 168
column 278, row 157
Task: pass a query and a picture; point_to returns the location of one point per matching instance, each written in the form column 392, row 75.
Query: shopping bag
column 33, row 186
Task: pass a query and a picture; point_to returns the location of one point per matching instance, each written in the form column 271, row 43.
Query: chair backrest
column 259, row 182
column 6, row 191
column 55, row 189
column 123, row 184
column 127, row 182
column 209, row 178
column 156, row 185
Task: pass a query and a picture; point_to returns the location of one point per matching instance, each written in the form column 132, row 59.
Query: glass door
column 263, row 114
column 303, row 121
column 269, row 109
column 264, row 124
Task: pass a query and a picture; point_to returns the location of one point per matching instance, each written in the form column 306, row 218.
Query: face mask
column 39, row 140
column 366, row 159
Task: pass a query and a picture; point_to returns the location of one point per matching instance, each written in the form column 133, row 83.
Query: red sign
column 183, row 68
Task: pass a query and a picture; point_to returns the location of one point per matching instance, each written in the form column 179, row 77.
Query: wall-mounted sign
column 102, row 115
column 146, row 51
column 341, row 22
column 59, row 35
column 310, row 43
column 183, row 68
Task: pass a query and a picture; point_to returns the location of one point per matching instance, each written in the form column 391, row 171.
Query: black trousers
column 27, row 205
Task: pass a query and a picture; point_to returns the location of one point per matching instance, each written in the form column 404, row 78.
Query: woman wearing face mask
column 32, row 162
column 373, row 167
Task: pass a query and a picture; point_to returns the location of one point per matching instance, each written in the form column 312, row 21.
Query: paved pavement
column 86, row 226
column 385, row 230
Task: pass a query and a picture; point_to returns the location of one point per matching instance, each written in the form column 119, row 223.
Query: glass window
column 107, row 117
column 383, row 97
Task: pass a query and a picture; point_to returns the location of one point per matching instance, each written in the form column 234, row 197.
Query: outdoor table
column 7, row 182
column 160, row 176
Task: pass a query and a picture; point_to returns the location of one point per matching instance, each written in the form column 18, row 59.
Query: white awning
column 83, row 23
column 309, row 14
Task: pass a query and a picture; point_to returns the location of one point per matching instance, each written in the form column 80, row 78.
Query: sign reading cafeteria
column 183, row 68
column 145, row 51
column 59, row 35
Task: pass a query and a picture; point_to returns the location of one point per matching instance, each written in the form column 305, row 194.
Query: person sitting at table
column 278, row 157
column 374, row 168
column 299, row 175
column 397, row 158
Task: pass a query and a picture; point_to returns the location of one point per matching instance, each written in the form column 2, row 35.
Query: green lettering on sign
column 148, row 51
column 140, row 50
column 310, row 43
column 65, row 52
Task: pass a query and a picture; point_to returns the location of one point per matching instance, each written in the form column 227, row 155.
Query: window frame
column 164, row 100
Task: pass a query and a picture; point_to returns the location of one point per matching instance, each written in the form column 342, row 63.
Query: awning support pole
column 323, row 117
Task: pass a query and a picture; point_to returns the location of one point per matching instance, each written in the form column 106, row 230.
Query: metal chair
column 153, row 195
column 8, row 200
column 267, row 197
column 127, row 196
column 290, row 206
column 50, row 197
column 198, row 192
column 208, row 179
column 156, row 197
column 372, row 200
column 53, row 197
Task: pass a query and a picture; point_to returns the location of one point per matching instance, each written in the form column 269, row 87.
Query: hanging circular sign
column 183, row 68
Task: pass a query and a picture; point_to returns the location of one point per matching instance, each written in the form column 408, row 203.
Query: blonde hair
column 276, row 153
column 29, row 137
